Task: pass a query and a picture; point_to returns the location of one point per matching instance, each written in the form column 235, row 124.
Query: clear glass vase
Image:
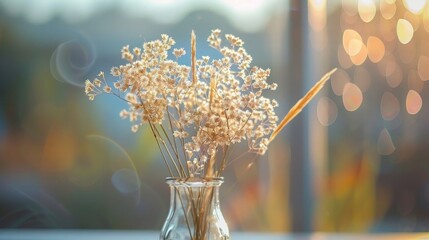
column 194, row 211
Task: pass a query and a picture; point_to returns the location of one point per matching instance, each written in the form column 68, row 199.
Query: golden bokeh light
column 414, row 6
column 390, row 1
column 375, row 48
column 338, row 81
column 385, row 144
column 389, row 106
column 362, row 78
column 367, row 10
column 394, row 74
column 343, row 58
column 404, row 31
column 360, row 58
column 355, row 46
column 387, row 10
column 352, row 42
column 414, row 102
column 327, row 111
column 423, row 68
column 352, row 97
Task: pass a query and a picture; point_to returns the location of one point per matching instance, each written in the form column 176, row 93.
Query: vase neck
column 194, row 182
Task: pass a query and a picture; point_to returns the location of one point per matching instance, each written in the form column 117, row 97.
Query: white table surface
column 143, row 235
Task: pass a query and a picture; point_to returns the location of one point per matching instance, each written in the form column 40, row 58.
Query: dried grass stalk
column 213, row 87
column 297, row 108
column 193, row 58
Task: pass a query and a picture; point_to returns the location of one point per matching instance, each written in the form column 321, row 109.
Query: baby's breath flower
column 235, row 41
column 107, row 89
column 179, row 52
column 123, row 114
column 134, row 128
column 91, row 97
column 97, row 82
column 137, row 51
column 117, row 85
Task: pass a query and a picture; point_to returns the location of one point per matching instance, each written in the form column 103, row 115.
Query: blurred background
column 356, row 160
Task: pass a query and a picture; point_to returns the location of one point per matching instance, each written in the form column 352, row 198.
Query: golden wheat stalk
column 213, row 86
column 193, row 58
column 297, row 108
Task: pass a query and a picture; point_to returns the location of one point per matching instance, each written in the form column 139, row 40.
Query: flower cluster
column 194, row 111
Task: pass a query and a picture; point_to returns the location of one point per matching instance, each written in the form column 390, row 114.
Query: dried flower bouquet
column 196, row 113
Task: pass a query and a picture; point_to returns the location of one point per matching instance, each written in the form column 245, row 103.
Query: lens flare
column 72, row 61
column 125, row 181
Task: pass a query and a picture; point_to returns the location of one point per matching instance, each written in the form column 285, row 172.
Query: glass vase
column 194, row 210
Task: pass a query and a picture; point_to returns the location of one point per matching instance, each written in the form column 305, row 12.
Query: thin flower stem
column 158, row 137
column 223, row 161
column 175, row 145
column 168, row 152
column 193, row 207
column 182, row 143
column 236, row 158
column 184, row 210
column 175, row 151
column 160, row 150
